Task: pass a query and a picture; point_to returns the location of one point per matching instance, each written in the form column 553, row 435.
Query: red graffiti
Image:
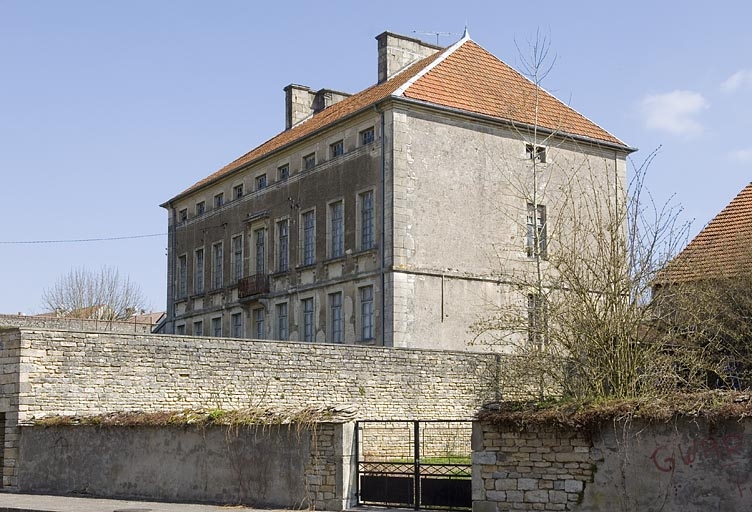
column 718, row 451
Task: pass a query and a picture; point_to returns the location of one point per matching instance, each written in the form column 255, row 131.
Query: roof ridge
column 446, row 53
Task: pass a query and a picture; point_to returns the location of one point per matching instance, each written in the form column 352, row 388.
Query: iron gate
column 420, row 464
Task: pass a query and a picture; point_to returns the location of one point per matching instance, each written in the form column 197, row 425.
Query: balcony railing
column 255, row 284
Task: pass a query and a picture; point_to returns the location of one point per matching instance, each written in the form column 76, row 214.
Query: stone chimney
column 397, row 52
column 301, row 102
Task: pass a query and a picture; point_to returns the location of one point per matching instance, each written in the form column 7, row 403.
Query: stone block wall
column 536, row 469
column 74, row 324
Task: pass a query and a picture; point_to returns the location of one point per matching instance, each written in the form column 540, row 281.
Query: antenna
column 433, row 33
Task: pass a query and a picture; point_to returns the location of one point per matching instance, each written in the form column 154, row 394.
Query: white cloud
column 674, row 112
column 743, row 156
column 740, row 79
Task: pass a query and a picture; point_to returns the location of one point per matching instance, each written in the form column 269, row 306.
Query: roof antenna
column 437, row 34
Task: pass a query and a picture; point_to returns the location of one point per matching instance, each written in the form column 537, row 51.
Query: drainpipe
column 382, row 245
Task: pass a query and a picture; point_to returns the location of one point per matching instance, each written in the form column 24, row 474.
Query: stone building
column 386, row 217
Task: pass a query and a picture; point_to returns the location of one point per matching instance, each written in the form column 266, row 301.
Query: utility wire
column 19, row 242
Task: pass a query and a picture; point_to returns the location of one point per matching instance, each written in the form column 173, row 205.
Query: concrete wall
column 686, row 465
column 286, row 466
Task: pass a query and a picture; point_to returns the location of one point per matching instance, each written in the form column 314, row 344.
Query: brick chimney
column 397, row 52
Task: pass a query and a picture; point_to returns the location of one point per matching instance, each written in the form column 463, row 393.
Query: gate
column 418, row 464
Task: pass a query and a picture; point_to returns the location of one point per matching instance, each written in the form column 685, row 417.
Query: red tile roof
column 464, row 77
column 722, row 249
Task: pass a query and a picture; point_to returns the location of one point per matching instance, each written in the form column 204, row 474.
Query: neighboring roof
column 463, row 77
column 722, row 249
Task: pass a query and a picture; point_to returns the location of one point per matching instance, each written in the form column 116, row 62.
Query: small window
column 180, row 329
column 237, row 191
column 307, row 308
column 183, row 215
column 198, row 328
column 337, row 149
column 535, row 239
column 336, row 230
column 259, row 331
column 182, row 276
column 309, row 162
column 366, row 313
column 282, row 332
column 200, row 208
column 216, row 325
column 335, row 317
column 261, row 182
column 283, row 172
column 236, row 321
column 198, row 273
column 366, row 136
column 219, row 200
column 536, row 153
column 309, row 238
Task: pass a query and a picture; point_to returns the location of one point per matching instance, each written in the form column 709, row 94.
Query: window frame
column 237, row 191
column 366, row 220
column 283, row 244
column 336, row 317
column 259, row 323
column 198, row 328
column 363, row 136
column 236, row 325
column 308, row 238
column 200, row 208
column 236, row 243
column 283, row 172
column 216, row 327
column 309, row 161
column 336, row 232
column 367, row 317
column 219, row 200
column 337, row 148
column 182, row 284
column 198, row 270
column 536, row 152
column 217, row 277
column 260, row 182
column 307, row 320
column 535, row 228
column 283, row 321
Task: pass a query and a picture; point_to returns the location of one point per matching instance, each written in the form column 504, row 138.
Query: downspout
column 382, row 245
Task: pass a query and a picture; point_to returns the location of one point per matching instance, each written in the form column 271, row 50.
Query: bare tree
column 102, row 294
column 580, row 319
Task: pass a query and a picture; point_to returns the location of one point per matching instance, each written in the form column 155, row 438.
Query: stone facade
column 441, row 194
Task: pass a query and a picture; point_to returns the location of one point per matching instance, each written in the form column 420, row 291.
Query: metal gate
column 419, row 464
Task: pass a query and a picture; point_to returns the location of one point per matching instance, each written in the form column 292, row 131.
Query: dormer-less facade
column 386, row 217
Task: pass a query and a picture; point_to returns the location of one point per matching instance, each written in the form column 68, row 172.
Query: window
column 335, row 317
column 237, row 258
column 309, row 162
column 198, row 276
column 283, row 245
column 536, row 320
column 366, row 313
column 183, row 215
column 282, row 321
column 366, row 136
column 219, row 200
column 366, row 220
column 535, row 153
column 283, row 172
column 217, row 265
column 217, row 327
column 336, row 230
column 200, row 208
column 236, row 321
column 337, row 149
column 307, row 307
column 260, row 182
column 259, row 331
column 182, row 275
column 309, row 237
column 180, row 329
column 535, row 242
column 198, row 328
column 260, row 238
column 237, row 191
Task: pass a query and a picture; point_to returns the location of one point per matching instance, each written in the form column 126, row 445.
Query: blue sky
column 108, row 109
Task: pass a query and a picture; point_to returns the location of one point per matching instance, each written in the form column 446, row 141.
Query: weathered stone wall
column 68, row 373
column 287, row 466
column 74, row 324
column 686, row 465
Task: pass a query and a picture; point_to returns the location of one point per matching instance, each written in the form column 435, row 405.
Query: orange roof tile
column 722, row 249
column 472, row 79
column 464, row 77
